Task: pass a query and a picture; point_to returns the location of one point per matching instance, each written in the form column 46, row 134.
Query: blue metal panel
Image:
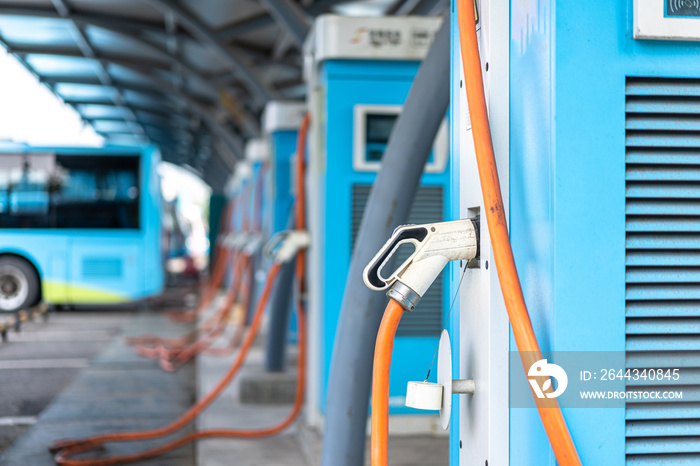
column 531, row 194
column 283, row 147
column 568, row 67
column 348, row 83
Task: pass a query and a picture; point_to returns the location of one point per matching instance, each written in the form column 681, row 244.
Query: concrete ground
column 118, row 390
column 42, row 359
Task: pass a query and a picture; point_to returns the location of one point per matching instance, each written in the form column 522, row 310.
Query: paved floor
column 37, row 363
column 118, row 391
column 229, row 412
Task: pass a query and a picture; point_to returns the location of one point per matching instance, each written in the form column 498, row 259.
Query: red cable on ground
column 177, row 358
column 213, row 327
column 67, row 448
column 221, row 258
column 154, row 346
column 172, row 357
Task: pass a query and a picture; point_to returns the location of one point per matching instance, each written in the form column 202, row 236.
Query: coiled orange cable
column 525, row 339
column 65, row 449
column 160, row 347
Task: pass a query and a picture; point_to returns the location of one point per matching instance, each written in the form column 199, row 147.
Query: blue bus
column 79, row 226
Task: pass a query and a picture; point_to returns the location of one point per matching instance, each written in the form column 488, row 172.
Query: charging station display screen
column 378, row 127
column 688, row 8
column 377, row 131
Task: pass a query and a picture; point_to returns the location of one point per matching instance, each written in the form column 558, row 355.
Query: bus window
column 78, row 191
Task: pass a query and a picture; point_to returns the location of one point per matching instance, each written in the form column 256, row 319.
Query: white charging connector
column 436, row 245
column 283, row 246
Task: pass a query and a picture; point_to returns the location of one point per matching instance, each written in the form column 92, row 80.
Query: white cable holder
column 284, row 245
column 438, row 396
column 436, row 244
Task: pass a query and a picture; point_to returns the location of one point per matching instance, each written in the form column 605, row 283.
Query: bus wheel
column 19, row 284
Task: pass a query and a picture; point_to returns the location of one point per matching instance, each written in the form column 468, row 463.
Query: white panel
column 369, row 38
column 282, row 115
column 484, row 328
column 257, row 150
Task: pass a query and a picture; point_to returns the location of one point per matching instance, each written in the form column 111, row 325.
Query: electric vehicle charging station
column 280, row 122
column 593, row 113
column 359, row 72
column 237, row 191
column 257, row 152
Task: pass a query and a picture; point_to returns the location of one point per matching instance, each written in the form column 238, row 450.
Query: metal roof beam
column 88, row 51
column 419, row 7
column 96, row 19
column 118, row 83
column 131, row 107
column 71, row 52
column 132, row 29
column 258, row 22
column 232, row 141
column 233, row 59
column 290, row 17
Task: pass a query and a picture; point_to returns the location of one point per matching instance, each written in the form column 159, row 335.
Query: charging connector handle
column 284, row 245
column 436, row 244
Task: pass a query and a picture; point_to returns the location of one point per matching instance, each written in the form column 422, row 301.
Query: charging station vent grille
column 662, row 130
column 427, row 208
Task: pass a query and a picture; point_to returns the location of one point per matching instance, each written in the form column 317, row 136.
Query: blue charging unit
column 595, row 114
column 359, row 72
column 257, row 154
column 280, row 122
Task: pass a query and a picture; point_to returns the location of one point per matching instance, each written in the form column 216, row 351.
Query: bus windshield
column 69, row 191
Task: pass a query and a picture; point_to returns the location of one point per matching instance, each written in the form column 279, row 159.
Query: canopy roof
column 191, row 76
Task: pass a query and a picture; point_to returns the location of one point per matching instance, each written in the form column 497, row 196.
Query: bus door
column 100, row 207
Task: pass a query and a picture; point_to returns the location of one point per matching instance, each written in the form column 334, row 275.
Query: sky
column 30, row 113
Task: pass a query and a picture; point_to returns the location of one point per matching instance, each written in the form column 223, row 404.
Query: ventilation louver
column 663, row 265
column 427, row 208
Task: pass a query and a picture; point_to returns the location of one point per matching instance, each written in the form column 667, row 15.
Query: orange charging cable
column 221, row 258
column 67, row 448
column 154, row 346
column 379, row 425
column 549, row 410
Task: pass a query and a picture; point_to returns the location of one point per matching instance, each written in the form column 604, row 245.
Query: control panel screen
column 378, row 130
